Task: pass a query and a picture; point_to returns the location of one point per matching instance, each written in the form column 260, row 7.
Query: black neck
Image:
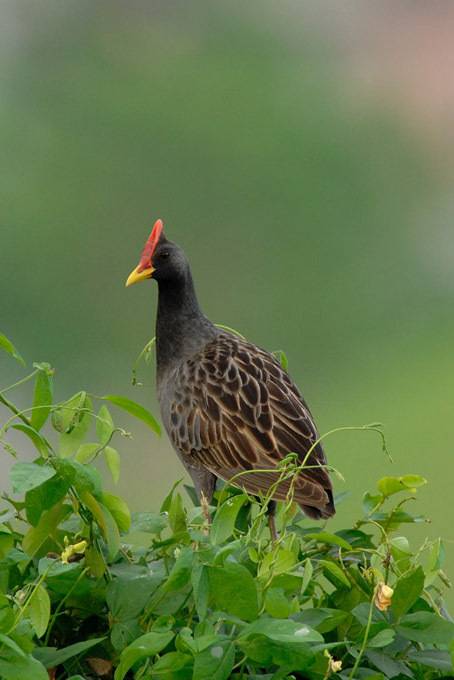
column 181, row 327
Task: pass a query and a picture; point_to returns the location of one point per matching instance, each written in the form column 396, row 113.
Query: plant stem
column 27, row 602
column 365, row 639
column 61, row 603
column 9, row 405
column 20, row 382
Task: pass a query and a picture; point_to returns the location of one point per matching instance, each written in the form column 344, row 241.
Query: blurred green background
column 301, row 153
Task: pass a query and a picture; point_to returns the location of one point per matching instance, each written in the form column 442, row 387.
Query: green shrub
column 89, row 590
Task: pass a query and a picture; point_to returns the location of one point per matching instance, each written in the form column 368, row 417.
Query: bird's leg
column 205, row 505
column 271, row 512
column 204, row 484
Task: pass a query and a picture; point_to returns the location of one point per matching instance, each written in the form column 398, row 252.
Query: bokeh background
column 302, row 152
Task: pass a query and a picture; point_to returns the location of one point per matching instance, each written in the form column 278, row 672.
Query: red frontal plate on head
column 150, row 246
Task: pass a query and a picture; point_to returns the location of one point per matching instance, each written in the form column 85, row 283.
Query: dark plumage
column 226, row 404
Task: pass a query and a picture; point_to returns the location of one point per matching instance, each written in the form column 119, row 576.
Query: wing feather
column 234, row 408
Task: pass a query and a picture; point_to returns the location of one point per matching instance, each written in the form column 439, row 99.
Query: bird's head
column 161, row 259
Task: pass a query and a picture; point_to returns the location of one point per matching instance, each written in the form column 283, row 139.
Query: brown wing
column 234, row 408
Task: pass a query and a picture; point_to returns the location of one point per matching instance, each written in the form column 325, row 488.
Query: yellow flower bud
column 333, row 666
column 75, row 549
column 383, row 597
column 80, row 547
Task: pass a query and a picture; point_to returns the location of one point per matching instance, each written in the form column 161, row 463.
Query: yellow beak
column 136, row 276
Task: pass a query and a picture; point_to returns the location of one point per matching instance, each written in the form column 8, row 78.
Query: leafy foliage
column 89, row 590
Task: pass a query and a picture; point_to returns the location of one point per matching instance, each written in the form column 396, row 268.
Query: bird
column 229, row 408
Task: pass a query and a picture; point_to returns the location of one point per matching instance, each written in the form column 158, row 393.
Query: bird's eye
column 164, row 255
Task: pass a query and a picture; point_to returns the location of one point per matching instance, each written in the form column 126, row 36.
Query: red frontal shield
column 150, row 246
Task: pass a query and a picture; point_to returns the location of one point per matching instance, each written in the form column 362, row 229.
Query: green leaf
column 38, row 610
column 6, row 614
column 144, row 647
column 307, row 575
column 382, row 639
column 407, row 591
column 37, row 536
column 35, row 437
column 67, row 415
column 413, row 481
column 119, row 510
column 391, row 485
column 282, row 631
column 177, row 515
column 279, row 561
column 124, row 632
column 323, row 619
column 149, row 522
column 42, row 399
column 51, row 657
column 435, row 562
column 8, row 346
column 113, row 462
column 388, row 665
column 82, row 477
column 111, row 533
column 127, row 595
column 277, row 603
column 165, row 505
column 71, row 441
column 291, row 655
column 94, row 561
column 331, row 539
column 44, row 496
column 16, row 665
column 181, row 571
column 233, row 590
column 437, row 556
column 225, row 518
column 370, row 502
column 426, row 627
column 204, row 637
column 201, row 589
column 135, row 410
column 215, row 662
column 105, row 522
column 335, row 574
column 6, row 542
column 11, row 645
column 171, row 663
column 26, row 476
column 104, row 425
column 434, row 658
column 362, row 612
column 282, row 358
column 86, row 452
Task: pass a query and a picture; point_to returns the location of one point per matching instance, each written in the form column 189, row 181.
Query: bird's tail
column 320, row 513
